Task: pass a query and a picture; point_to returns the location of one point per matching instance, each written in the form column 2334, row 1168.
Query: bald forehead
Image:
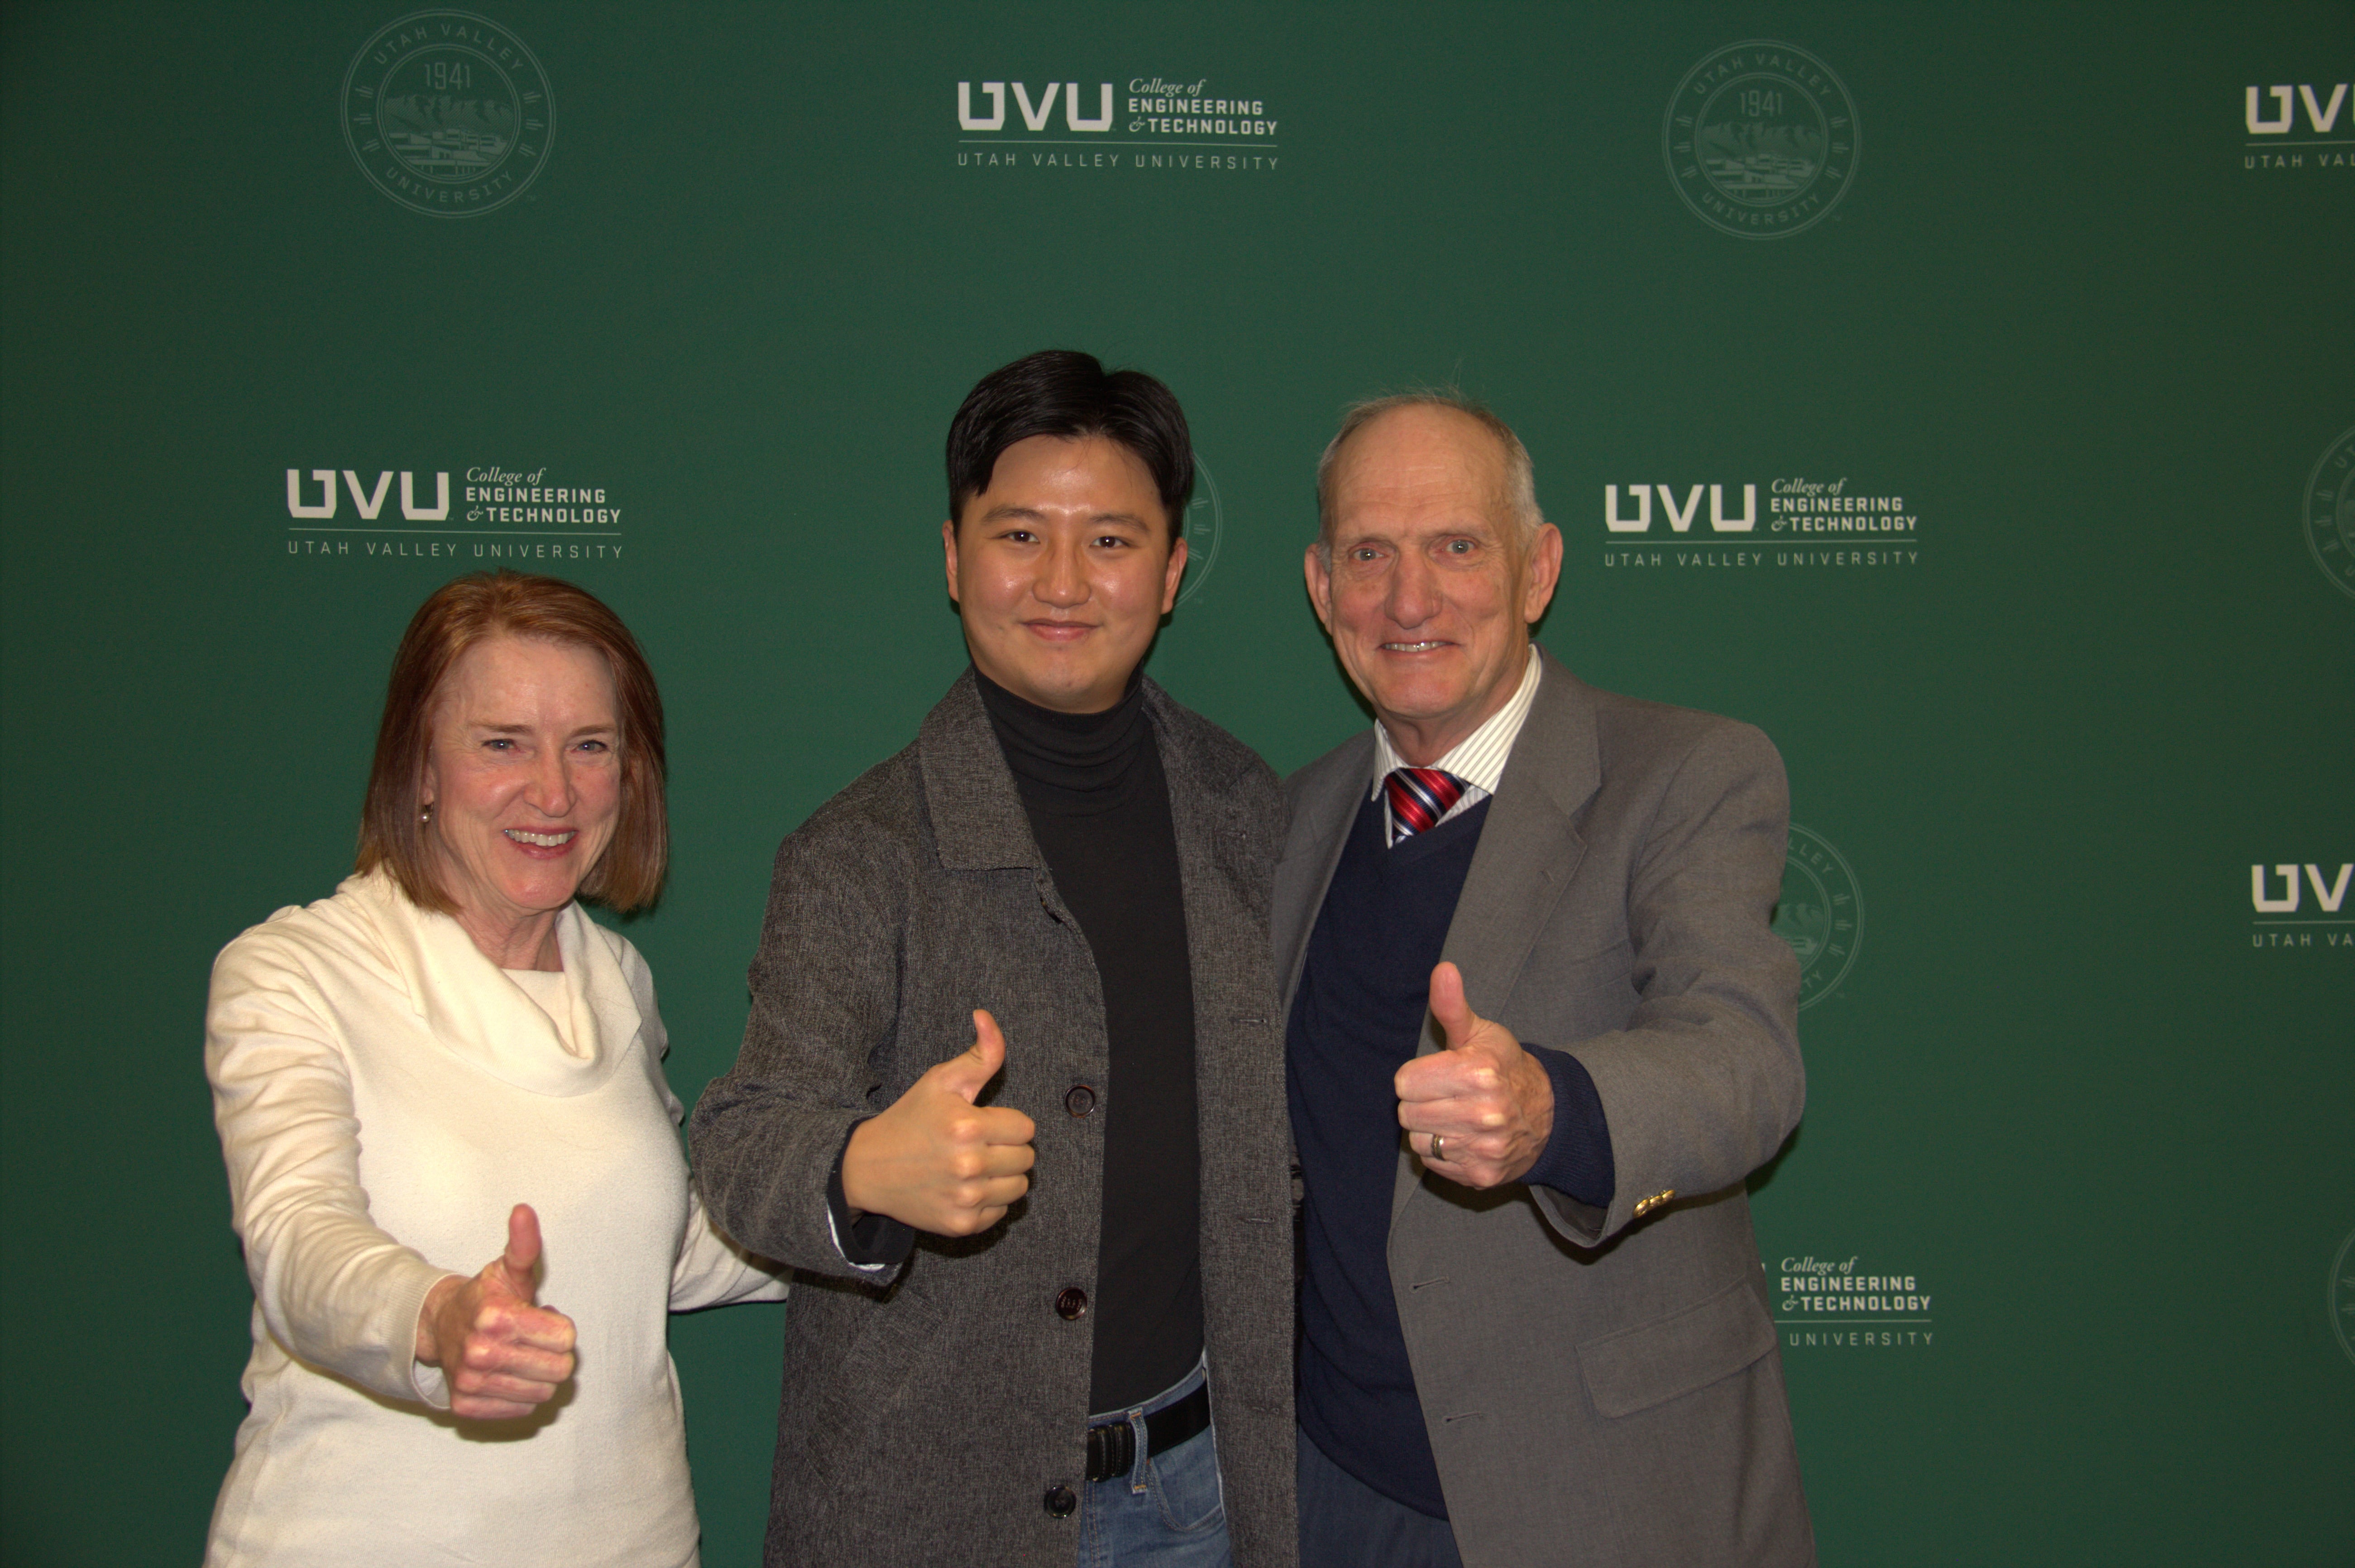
column 1428, row 448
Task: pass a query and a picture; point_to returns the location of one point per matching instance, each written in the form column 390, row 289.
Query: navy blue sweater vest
column 1358, row 1017
column 1356, row 1020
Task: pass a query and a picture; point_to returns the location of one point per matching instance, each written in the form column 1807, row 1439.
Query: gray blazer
column 1603, row 1387
column 924, row 1417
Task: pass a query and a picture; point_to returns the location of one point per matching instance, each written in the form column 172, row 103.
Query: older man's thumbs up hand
column 1485, row 1103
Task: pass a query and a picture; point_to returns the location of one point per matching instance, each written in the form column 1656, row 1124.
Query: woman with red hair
column 448, row 1058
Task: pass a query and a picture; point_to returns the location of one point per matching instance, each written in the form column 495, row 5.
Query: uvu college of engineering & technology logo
column 1151, row 126
column 448, row 113
column 1787, row 523
column 1833, row 1303
column 2296, row 125
column 1761, row 139
column 2283, row 918
column 503, row 517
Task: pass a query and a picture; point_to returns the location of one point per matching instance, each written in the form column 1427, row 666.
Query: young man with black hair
column 1012, row 1089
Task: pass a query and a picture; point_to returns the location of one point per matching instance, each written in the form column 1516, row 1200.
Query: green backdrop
column 2059, row 294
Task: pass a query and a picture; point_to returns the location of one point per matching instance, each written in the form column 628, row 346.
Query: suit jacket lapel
column 1325, row 804
column 1529, row 850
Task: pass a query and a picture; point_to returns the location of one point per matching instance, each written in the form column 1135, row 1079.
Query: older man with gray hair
column 1539, row 1032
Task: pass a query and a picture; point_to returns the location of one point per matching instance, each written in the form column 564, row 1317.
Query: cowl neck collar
column 476, row 1013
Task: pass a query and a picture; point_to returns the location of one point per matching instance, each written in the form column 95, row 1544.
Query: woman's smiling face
column 524, row 776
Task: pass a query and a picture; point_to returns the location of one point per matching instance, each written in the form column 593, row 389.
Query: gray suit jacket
column 925, row 1417
column 1603, row 1387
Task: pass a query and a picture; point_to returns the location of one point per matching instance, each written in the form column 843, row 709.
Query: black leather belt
column 1112, row 1448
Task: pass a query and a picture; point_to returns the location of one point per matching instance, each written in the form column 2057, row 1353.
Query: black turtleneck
column 1099, row 807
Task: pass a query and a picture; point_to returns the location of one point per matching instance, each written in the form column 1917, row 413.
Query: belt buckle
column 1112, row 1450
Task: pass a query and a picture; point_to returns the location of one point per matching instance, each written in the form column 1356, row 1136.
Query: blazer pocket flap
column 1637, row 1368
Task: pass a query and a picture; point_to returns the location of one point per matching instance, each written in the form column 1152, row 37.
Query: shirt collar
column 1479, row 758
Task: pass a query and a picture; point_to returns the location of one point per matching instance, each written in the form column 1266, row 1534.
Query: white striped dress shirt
column 1478, row 759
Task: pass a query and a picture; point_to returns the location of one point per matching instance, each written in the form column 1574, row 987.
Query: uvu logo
column 2329, row 897
column 2321, row 116
column 1680, row 519
column 1033, row 115
column 370, row 502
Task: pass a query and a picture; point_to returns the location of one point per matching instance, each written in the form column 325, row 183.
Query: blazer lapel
column 1529, row 850
column 1324, row 801
column 1530, row 847
column 1201, row 803
column 978, row 823
column 1236, row 1079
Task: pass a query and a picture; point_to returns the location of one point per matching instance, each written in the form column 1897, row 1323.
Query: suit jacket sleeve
column 824, row 991
column 712, row 1271
column 1704, row 1082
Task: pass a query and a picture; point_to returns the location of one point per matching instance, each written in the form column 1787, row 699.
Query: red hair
column 466, row 612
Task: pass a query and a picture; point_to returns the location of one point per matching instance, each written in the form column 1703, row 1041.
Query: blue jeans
column 1169, row 1510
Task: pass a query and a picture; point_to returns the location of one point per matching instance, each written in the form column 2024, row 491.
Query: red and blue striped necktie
column 1419, row 798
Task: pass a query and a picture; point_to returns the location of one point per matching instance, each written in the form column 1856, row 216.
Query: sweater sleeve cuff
column 1576, row 1161
column 429, row 1384
column 871, row 1241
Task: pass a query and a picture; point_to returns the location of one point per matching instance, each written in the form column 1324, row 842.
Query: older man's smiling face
column 1428, row 594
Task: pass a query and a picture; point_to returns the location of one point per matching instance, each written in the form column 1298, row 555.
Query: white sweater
column 385, row 1094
